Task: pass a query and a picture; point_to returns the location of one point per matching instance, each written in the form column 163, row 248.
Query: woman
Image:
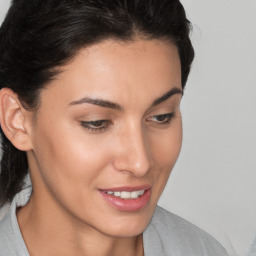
column 90, row 106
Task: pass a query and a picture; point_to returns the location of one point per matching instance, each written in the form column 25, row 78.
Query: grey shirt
column 252, row 251
column 166, row 235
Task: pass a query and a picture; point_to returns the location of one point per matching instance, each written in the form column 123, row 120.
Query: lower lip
column 127, row 205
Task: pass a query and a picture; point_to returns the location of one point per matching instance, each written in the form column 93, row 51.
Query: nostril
column 135, row 164
column 132, row 155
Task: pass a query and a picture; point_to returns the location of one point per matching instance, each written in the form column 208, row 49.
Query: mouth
column 126, row 194
column 127, row 198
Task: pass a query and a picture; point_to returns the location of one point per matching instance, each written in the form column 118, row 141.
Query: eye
column 161, row 119
column 96, row 126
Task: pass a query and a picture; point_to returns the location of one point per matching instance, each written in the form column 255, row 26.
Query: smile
column 127, row 199
column 126, row 194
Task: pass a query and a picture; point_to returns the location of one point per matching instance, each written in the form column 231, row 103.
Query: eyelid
column 89, row 125
column 101, row 125
column 167, row 118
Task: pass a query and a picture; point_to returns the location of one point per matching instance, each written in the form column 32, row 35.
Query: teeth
column 126, row 194
column 117, row 194
column 134, row 194
column 141, row 192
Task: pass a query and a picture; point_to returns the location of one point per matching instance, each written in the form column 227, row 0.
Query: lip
column 127, row 205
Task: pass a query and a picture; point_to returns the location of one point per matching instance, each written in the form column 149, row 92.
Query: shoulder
column 180, row 237
column 11, row 242
column 7, row 237
column 252, row 250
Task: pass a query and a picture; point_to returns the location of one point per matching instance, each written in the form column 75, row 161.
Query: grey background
column 214, row 181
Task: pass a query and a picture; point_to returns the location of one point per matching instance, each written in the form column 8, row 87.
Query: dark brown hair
column 37, row 36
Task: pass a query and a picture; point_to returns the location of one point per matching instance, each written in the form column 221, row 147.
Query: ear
column 15, row 120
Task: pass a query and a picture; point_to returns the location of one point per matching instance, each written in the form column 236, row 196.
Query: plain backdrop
column 214, row 181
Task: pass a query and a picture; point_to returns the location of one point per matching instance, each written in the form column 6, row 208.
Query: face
column 107, row 135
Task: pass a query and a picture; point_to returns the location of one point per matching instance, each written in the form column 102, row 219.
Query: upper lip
column 127, row 188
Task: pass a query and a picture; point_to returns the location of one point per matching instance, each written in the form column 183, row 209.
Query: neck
column 58, row 234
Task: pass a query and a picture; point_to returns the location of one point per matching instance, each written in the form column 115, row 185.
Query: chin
column 126, row 231
column 127, row 226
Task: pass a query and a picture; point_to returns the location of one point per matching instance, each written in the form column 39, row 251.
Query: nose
column 134, row 153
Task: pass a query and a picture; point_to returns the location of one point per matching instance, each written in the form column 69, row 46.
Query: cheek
column 67, row 164
column 165, row 149
column 68, row 158
column 69, row 174
column 165, row 152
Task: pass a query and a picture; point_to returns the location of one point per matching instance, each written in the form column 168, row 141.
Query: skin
column 69, row 163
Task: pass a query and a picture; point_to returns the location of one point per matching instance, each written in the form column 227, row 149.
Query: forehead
column 119, row 70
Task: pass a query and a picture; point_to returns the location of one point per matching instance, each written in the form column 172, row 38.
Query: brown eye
column 97, row 125
column 162, row 119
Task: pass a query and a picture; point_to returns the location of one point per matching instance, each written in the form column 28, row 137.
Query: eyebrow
column 98, row 102
column 167, row 95
column 116, row 106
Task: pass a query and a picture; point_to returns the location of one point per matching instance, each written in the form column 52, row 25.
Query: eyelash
column 99, row 125
column 166, row 118
column 102, row 125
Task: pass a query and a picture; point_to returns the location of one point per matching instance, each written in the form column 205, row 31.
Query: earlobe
column 13, row 117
